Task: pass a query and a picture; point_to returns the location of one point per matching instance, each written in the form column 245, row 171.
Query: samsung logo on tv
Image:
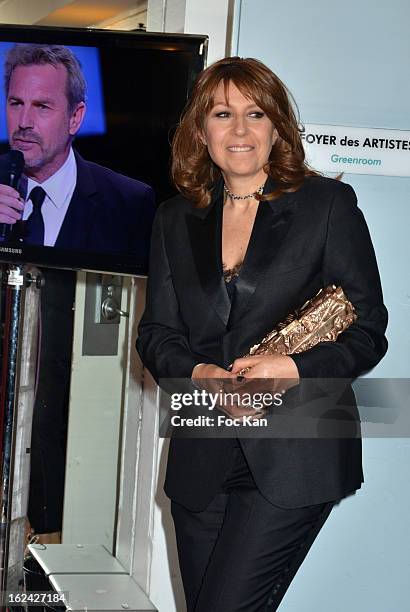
column 4, row 249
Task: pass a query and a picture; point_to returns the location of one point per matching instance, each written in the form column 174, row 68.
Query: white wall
column 94, row 432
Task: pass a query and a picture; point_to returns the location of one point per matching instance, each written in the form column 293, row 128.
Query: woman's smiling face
column 239, row 136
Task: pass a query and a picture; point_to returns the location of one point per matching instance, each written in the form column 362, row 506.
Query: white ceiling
column 75, row 13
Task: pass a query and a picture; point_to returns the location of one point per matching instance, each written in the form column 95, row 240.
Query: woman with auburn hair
column 193, row 169
column 253, row 234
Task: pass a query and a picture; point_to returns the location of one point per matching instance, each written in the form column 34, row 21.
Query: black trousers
column 241, row 553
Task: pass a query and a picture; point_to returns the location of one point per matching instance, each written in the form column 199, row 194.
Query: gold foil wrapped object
column 320, row 319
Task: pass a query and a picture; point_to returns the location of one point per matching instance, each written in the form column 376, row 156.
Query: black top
column 231, row 278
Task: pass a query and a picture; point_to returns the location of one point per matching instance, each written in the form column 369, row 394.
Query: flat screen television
column 137, row 86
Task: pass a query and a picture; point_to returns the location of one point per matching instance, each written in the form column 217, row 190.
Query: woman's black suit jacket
column 300, row 242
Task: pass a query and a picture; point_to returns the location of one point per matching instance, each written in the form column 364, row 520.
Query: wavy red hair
column 193, row 171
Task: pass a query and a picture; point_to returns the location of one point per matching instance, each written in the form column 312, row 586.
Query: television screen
column 92, row 114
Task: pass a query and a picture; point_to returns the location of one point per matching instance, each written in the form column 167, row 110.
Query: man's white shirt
column 59, row 190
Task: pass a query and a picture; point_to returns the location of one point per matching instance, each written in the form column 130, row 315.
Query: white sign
column 338, row 148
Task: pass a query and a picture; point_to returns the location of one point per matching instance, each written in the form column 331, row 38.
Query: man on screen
column 68, row 202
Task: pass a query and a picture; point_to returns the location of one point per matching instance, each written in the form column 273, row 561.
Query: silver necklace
column 234, row 196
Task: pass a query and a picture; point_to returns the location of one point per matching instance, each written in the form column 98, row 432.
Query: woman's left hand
column 266, row 366
column 280, row 369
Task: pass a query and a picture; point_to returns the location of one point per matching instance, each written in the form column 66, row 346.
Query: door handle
column 110, row 309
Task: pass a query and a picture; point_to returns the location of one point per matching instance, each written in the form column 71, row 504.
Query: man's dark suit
column 108, row 212
column 300, row 242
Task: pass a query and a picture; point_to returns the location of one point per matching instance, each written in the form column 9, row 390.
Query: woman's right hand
column 216, row 380
column 210, row 370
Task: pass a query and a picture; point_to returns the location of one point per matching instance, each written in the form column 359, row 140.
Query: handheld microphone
column 14, row 164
